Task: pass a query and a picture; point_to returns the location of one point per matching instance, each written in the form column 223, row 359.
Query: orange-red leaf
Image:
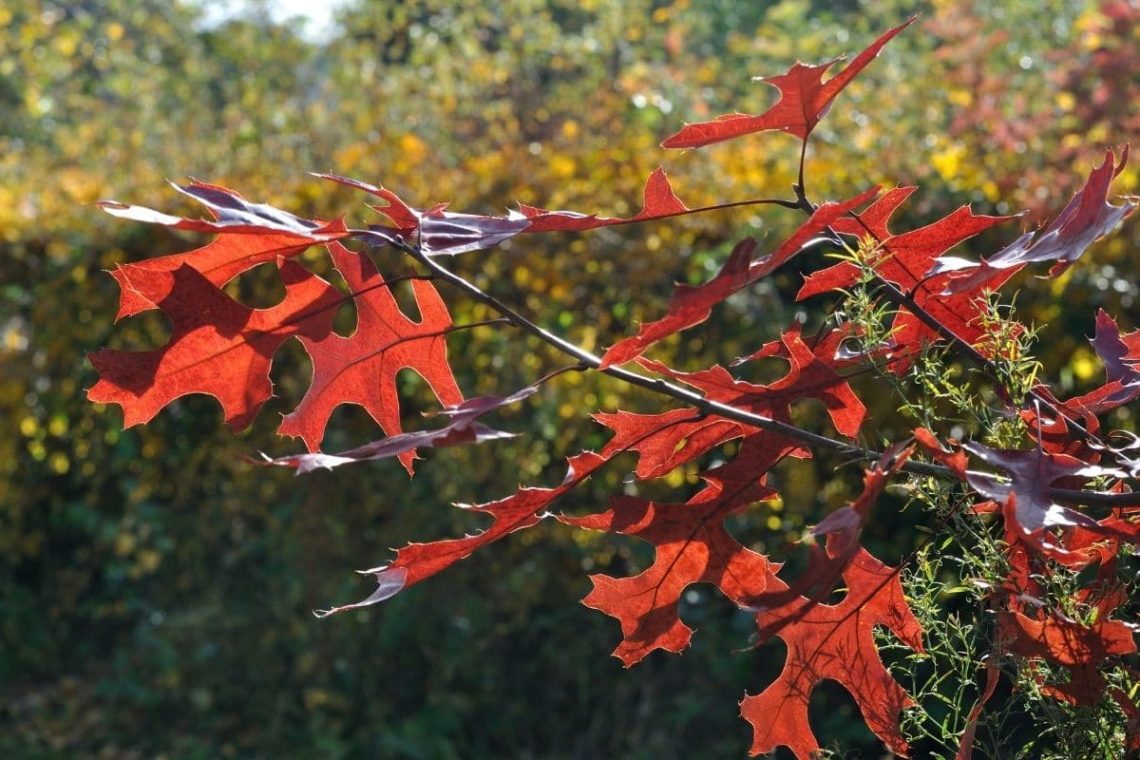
column 836, row 642
column 217, row 346
column 692, row 305
column 804, row 100
column 692, row 546
column 361, row 369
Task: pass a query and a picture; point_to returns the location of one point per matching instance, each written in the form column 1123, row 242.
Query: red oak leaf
column 1121, row 357
column 692, row 305
column 1079, row 648
column 680, row 435
column 217, row 346
column 836, row 642
column 905, row 259
column 438, row 231
column 692, row 546
column 843, row 528
column 804, row 100
column 689, row 306
column 1087, row 218
column 811, row 374
column 523, row 509
column 219, row 261
column 462, row 429
column 361, row 369
column 659, row 202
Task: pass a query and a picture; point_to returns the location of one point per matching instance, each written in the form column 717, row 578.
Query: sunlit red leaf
column 905, row 258
column 837, row 642
column 811, row 374
column 691, row 305
column 217, row 346
column 692, row 546
column 1121, row 357
column 219, row 261
column 659, row 202
column 1079, row 648
column 524, row 509
column 804, row 100
column 361, row 369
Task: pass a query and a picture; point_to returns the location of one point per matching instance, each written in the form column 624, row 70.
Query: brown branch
column 588, row 360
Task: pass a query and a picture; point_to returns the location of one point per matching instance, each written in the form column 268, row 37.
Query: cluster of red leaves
column 223, row 348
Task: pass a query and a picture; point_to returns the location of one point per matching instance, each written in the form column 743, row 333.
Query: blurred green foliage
column 155, row 591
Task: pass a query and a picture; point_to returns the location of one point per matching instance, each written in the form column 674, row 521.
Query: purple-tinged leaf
column 1087, row 218
column 232, row 214
column 1031, row 474
column 462, row 429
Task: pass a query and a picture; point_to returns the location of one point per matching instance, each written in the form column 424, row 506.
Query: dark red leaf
column 1078, row 648
column 689, row 306
column 692, row 546
column 692, row 305
column 905, row 259
column 659, row 202
column 1121, row 357
column 842, row 529
column 811, row 374
column 1028, row 505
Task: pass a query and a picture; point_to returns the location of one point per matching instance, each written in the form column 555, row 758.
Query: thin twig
column 588, row 360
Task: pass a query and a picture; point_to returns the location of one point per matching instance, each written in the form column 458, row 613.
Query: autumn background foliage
column 159, row 580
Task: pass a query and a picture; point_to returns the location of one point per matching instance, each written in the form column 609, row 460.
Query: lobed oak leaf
column 658, row 202
column 361, row 369
column 1121, row 357
column 804, row 100
column 665, row 441
column 811, row 374
column 217, row 346
column 836, row 642
column 1027, row 504
column 689, row 306
column 904, row 260
column 523, row 509
column 1085, row 219
column 1078, row 648
column 692, row 305
column 692, row 546
column 843, row 528
column 438, row 231
column 219, row 261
